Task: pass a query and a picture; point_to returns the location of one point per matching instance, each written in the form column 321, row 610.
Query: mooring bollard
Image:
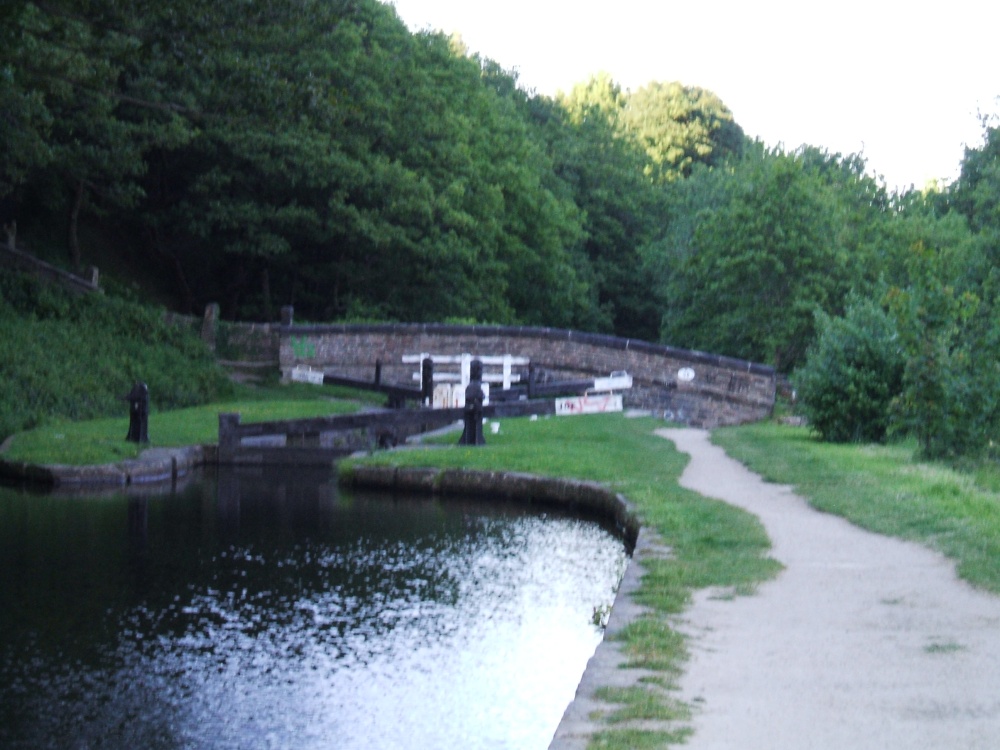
column 138, row 411
column 473, row 416
column 427, row 381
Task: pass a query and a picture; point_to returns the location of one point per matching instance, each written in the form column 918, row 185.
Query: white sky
column 900, row 81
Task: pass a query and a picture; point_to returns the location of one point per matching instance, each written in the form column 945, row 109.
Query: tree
column 604, row 172
column 79, row 117
column 599, row 97
column 944, row 303
column 976, row 192
column 937, row 405
column 759, row 264
column 679, row 126
column 852, row 374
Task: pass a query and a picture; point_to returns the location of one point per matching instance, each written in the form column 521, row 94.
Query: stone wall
column 49, row 273
column 691, row 387
column 248, row 342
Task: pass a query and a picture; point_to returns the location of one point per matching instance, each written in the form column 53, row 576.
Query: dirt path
column 863, row 641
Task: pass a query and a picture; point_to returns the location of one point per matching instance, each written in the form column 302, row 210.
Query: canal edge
column 153, row 466
column 607, row 667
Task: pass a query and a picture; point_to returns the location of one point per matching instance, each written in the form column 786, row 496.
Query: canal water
column 272, row 610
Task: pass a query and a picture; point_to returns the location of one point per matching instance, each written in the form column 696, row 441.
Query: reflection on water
column 269, row 611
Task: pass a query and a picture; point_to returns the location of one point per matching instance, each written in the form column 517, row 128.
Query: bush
column 75, row 358
column 852, row 372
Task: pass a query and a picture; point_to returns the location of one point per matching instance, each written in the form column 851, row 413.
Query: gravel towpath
column 863, row 641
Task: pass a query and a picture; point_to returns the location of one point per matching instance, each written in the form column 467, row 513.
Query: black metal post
column 472, row 434
column 138, row 410
column 427, row 381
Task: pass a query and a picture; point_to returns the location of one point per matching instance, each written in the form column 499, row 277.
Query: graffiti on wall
column 303, row 347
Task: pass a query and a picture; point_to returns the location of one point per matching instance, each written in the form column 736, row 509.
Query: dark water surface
column 272, row 611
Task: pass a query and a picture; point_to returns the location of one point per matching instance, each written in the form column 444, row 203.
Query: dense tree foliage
column 680, row 126
column 943, row 303
column 305, row 151
column 853, row 371
column 316, row 153
column 750, row 253
column 604, row 171
column 934, row 275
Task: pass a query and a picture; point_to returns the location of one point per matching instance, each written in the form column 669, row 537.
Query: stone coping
column 601, row 340
column 569, row 493
column 607, row 667
column 153, row 465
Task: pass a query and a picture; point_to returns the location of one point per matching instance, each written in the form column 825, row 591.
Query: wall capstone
column 691, row 387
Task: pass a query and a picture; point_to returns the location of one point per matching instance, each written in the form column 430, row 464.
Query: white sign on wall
column 589, row 404
column 685, row 374
column 302, row 374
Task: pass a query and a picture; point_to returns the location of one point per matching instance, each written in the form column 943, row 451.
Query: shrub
column 75, row 358
column 852, row 372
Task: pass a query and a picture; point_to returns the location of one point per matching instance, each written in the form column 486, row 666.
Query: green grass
column 711, row 543
column 101, row 441
column 948, row 647
column 884, row 489
column 642, row 703
column 637, row 739
column 73, row 358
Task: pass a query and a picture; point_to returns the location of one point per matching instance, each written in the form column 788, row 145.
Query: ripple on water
column 369, row 623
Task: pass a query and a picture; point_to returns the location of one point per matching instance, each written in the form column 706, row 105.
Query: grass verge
column 712, row 544
column 884, row 489
column 100, row 441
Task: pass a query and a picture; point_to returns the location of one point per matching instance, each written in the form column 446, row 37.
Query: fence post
column 210, row 325
column 229, row 436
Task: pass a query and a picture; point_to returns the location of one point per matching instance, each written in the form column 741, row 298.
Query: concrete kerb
column 154, row 465
column 607, row 667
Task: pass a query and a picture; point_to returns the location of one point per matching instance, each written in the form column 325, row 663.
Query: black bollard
column 472, row 434
column 427, row 381
column 138, row 411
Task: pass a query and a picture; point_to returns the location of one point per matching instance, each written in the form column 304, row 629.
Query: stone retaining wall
column 568, row 493
column 691, row 387
column 154, row 465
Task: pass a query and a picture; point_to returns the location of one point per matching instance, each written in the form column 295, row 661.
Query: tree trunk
column 153, row 239
column 74, row 222
column 265, row 283
column 234, row 290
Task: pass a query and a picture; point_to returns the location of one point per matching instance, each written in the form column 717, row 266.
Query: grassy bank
column 74, row 358
column 101, row 441
column 883, row 489
column 713, row 544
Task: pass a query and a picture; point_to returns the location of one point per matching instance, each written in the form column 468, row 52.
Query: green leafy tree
column 759, row 263
column 598, row 98
column 79, row 124
column 852, row 374
column 937, row 404
column 679, row 126
column 622, row 209
column 976, row 192
column 25, row 121
column 946, row 313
